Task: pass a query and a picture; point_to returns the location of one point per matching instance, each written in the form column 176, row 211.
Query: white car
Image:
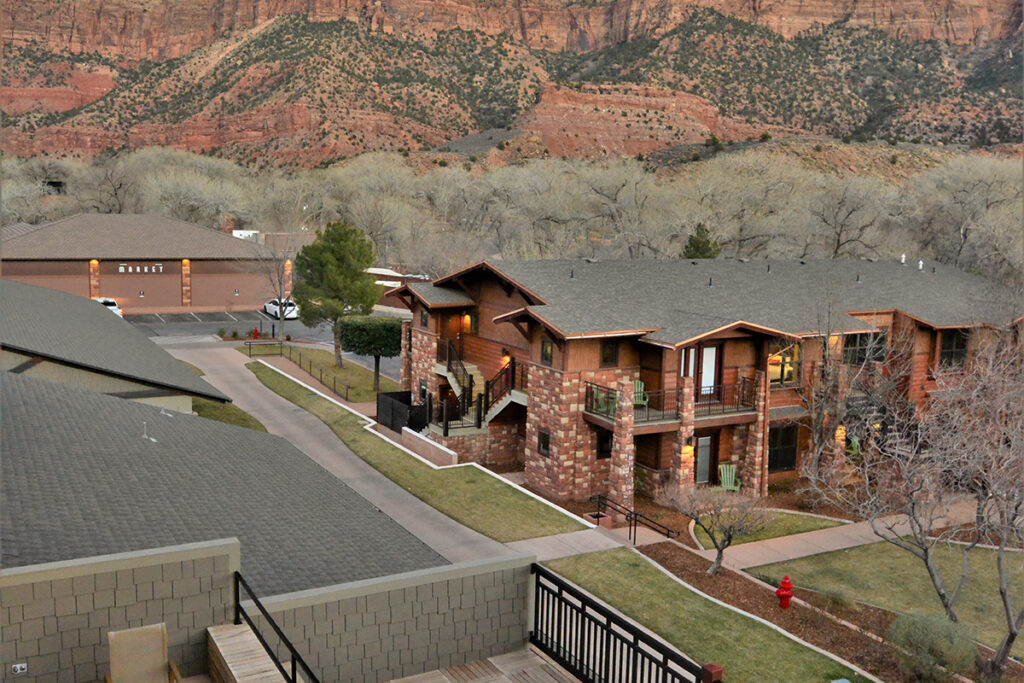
column 278, row 309
column 111, row 304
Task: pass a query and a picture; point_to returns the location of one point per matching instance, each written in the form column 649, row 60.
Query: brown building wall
column 65, row 276
column 214, row 284
column 160, row 280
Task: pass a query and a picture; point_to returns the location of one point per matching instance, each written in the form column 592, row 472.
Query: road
column 168, row 325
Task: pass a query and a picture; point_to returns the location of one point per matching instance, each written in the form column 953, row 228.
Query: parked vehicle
column 278, row 309
column 111, row 304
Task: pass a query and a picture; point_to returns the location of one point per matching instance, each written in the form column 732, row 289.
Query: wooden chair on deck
column 727, row 477
column 139, row 655
column 640, row 396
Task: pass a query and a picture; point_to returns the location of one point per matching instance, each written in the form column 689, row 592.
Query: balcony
column 723, row 399
column 662, row 407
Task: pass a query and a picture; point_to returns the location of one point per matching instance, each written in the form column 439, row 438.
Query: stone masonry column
column 406, row 377
column 94, row 278
column 682, row 454
column 186, row 282
column 623, row 461
column 754, row 468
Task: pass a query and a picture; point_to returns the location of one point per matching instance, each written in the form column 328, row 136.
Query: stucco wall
column 55, row 617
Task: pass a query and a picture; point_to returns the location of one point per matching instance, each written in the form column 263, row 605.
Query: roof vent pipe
column 572, row 273
column 710, row 283
column 920, row 264
column 769, row 269
column 903, row 259
column 858, row 279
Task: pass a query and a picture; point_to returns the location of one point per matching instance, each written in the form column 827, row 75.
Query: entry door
column 708, row 365
column 705, row 457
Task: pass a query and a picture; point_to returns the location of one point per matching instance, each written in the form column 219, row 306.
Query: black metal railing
column 291, row 673
column 458, row 413
column 632, row 517
column 511, row 376
column 326, row 377
column 452, row 360
column 719, row 399
column 600, row 400
column 655, row 406
column 597, row 645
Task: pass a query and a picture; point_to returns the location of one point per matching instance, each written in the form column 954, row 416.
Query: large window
column 782, row 448
column 784, row 365
column 609, row 353
column 547, row 351
column 424, row 317
column 865, row 347
column 471, row 323
column 953, row 348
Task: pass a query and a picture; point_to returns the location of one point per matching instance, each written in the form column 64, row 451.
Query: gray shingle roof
column 79, row 479
column 440, row 296
column 123, row 236
column 77, row 330
column 674, row 296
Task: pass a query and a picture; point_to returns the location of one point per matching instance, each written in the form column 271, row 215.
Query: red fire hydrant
column 255, row 333
column 785, row 592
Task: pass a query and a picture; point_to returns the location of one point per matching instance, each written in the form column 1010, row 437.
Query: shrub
column 287, row 337
column 766, row 136
column 234, row 334
column 221, row 332
column 818, row 148
column 930, row 642
column 838, row 597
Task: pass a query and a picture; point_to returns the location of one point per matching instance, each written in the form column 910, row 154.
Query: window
column 544, row 442
column 424, row 318
column 782, row 448
column 865, row 347
column 547, row 351
column 686, row 363
column 604, row 445
column 609, row 353
column 953, row 348
column 423, row 390
column 470, row 323
column 784, row 365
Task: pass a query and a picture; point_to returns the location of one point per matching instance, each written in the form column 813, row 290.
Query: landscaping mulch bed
column 966, row 534
column 801, row 621
column 790, row 495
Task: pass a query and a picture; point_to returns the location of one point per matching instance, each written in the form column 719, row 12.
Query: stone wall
column 405, row 624
column 55, row 617
column 495, row 443
column 423, row 358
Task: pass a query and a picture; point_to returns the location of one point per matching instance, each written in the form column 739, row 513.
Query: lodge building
column 597, row 377
column 148, row 263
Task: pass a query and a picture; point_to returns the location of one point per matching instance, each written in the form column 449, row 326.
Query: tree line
column 752, row 204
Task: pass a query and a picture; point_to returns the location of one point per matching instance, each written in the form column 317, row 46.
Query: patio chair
column 640, row 397
column 727, row 477
column 139, row 655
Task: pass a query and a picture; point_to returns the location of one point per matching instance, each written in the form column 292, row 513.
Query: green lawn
column 779, row 524
column 883, row 575
column 226, row 412
column 699, row 628
column 465, row 494
column 358, row 378
column 193, row 368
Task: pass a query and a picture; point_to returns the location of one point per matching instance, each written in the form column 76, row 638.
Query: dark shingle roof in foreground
column 122, row 236
column 80, row 331
column 681, row 299
column 80, row 480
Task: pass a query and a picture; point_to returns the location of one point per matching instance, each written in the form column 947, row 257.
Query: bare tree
column 722, row 515
column 851, row 213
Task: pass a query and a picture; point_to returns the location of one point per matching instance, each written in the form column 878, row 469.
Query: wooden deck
column 236, row 655
column 524, row 666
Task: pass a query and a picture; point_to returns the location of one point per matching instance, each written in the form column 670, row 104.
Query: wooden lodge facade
column 598, row 377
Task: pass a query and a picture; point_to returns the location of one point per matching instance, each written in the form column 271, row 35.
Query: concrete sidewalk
column 783, row 548
column 225, row 369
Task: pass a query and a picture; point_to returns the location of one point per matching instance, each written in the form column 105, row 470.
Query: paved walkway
column 795, row 546
column 225, row 369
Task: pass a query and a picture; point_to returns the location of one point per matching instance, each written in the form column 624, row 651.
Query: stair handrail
column 458, row 370
column 633, row 517
column 240, row 615
column 499, row 386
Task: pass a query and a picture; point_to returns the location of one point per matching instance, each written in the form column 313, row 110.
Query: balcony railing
column 511, row 376
column 720, row 399
column 600, row 401
column 655, row 406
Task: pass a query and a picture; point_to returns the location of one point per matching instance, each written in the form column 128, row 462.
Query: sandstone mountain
column 307, row 82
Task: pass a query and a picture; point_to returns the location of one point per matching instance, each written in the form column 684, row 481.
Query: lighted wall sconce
column 142, row 294
column 236, row 292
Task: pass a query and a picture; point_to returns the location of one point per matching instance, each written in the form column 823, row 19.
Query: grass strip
column 701, row 629
column 779, row 524
column 466, row 494
column 358, row 379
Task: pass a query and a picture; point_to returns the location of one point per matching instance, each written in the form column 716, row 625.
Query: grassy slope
column 707, row 632
column 779, row 524
column 358, row 378
column 884, row 575
column 465, row 494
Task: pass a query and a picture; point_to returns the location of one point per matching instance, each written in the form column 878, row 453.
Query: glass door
column 705, row 453
column 708, row 372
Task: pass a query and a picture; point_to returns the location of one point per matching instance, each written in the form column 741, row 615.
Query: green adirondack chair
column 727, row 477
column 640, row 397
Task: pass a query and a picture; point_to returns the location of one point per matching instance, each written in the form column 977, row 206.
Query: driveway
column 225, row 369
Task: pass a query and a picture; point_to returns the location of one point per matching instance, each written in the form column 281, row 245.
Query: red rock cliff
column 160, row 29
